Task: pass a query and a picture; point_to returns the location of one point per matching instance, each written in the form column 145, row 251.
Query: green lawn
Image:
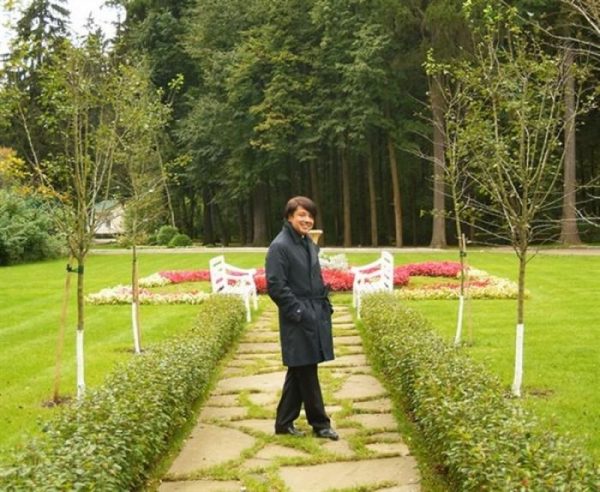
column 562, row 345
column 562, row 352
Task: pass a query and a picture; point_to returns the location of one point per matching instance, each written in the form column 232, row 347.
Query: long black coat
column 295, row 284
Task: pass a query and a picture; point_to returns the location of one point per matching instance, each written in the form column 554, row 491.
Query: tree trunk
column 396, row 192
column 438, row 236
column 209, row 235
column 520, row 330
column 60, row 342
column 242, row 222
column 569, row 234
column 192, row 217
column 316, row 195
column 163, row 173
column 135, row 302
column 372, row 199
column 80, row 326
column 462, row 248
column 346, row 199
column 260, row 218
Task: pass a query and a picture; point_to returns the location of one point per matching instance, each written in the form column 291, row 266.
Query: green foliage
column 165, row 234
column 180, row 240
column 484, row 440
column 116, row 432
column 27, row 229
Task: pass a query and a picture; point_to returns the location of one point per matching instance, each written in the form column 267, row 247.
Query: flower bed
column 121, row 294
column 336, row 275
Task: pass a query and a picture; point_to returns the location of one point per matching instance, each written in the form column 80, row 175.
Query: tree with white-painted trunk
column 458, row 185
column 82, row 108
column 515, row 92
column 139, row 176
column 78, row 95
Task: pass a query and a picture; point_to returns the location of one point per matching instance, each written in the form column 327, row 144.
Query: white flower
column 336, row 262
column 154, row 280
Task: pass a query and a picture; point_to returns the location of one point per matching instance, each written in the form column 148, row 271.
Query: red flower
column 178, row 277
column 433, row 269
column 337, row 280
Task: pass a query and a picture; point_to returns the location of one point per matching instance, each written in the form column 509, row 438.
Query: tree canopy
column 273, row 98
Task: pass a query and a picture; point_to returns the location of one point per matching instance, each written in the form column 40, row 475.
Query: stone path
column 233, row 446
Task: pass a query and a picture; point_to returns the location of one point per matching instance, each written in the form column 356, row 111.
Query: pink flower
column 180, row 276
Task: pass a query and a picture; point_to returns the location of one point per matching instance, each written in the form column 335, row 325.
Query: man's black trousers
column 301, row 386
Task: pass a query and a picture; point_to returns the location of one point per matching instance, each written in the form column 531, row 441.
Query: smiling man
column 295, row 284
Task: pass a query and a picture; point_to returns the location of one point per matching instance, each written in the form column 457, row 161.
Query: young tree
column 78, row 93
column 456, row 144
column 139, row 179
column 516, row 111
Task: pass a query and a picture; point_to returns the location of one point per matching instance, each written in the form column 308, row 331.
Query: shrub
column 484, row 440
column 27, row 229
column 165, row 234
column 180, row 240
column 110, row 439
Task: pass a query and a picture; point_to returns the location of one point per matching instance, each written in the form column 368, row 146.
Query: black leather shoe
column 290, row 431
column 328, row 433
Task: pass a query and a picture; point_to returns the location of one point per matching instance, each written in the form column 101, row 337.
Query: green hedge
column 179, row 240
column 27, row 229
column 483, row 438
column 110, row 440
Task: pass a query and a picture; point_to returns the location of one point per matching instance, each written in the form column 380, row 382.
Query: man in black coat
column 295, row 284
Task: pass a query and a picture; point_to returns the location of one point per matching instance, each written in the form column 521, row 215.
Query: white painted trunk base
column 516, row 386
column 80, row 365
column 459, row 321
column 135, row 327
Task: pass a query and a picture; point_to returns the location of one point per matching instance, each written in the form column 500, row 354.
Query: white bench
column 227, row 279
column 377, row 276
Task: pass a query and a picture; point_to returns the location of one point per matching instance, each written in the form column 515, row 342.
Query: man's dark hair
column 299, row 201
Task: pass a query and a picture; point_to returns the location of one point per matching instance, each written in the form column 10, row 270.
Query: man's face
column 302, row 221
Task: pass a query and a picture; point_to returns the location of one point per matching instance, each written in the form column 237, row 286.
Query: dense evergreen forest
column 374, row 108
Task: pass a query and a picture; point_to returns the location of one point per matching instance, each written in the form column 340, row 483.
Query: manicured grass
column 562, row 352
column 30, row 304
column 562, row 349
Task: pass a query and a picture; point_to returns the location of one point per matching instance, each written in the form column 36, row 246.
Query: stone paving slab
column 263, row 382
column 347, row 361
column 342, row 447
column 402, row 488
column 222, row 401
column 222, row 413
column 259, row 348
column 263, row 399
column 201, row 486
column 386, row 437
column 376, row 420
column 382, row 405
column 205, row 448
column 261, row 336
column 348, row 340
column 359, row 386
column 266, row 426
column 343, row 326
column 317, row 478
column 398, row 448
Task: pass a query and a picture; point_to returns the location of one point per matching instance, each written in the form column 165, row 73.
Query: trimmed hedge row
column 110, row 439
column 484, row 440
